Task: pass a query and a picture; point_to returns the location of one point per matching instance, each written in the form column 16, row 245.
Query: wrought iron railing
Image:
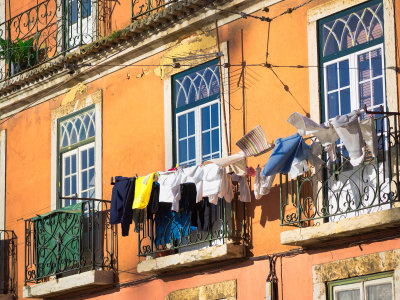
column 144, row 8
column 74, row 239
column 335, row 191
column 8, row 262
column 49, row 29
column 223, row 223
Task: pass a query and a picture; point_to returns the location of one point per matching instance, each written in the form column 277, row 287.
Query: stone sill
column 313, row 236
column 6, row 297
column 69, row 284
column 191, row 258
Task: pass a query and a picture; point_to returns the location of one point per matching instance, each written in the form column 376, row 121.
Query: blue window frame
column 351, row 54
column 197, row 111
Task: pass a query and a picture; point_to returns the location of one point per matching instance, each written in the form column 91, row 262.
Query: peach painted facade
column 135, row 89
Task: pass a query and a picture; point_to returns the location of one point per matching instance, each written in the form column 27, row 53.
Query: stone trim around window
column 353, row 267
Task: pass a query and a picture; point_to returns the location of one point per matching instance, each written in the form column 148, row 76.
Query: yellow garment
column 143, row 191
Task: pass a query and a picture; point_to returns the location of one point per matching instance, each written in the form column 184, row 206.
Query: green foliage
column 20, row 52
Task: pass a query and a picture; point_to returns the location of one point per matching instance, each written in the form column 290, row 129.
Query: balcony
column 69, row 249
column 338, row 200
column 172, row 242
column 8, row 264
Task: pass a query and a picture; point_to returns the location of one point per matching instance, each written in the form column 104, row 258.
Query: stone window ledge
column 69, row 284
column 191, row 258
column 313, row 236
column 6, row 297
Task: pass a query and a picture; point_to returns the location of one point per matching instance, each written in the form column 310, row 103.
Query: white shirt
column 170, row 188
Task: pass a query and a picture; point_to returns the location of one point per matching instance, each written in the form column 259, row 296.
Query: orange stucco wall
column 133, row 143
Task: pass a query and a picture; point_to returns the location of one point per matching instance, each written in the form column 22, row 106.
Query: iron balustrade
column 338, row 190
column 226, row 222
column 144, row 8
column 73, row 239
column 8, row 262
column 49, row 29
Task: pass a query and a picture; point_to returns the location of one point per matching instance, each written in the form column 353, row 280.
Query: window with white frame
column 77, row 155
column 352, row 60
column 197, row 111
column 372, row 287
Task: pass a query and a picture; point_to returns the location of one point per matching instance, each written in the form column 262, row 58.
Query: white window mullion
column 198, row 123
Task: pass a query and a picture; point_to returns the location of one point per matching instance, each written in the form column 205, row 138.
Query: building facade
column 91, row 90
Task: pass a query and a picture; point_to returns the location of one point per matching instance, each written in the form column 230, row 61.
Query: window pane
column 206, row 143
column 182, row 126
column 183, row 151
column 73, row 185
column 215, row 140
column 84, row 159
column 67, row 189
column 191, row 123
column 205, row 118
column 192, row 148
column 363, row 67
column 91, row 178
column 331, row 77
column 74, row 164
column 344, row 73
column 378, row 91
column 333, row 105
column 84, row 181
column 91, row 157
column 67, row 166
column 348, row 295
column 365, row 94
column 214, row 115
column 345, row 104
column 376, row 62
column 379, row 292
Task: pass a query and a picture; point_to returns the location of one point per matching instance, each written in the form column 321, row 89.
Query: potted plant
column 18, row 55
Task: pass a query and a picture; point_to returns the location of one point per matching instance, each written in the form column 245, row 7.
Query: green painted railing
column 73, row 239
column 338, row 190
column 8, row 262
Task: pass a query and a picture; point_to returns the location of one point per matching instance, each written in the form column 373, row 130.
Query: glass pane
column 84, row 159
column 214, row 115
column 84, row 181
column 73, row 185
column 191, row 123
column 74, row 137
column 376, row 62
column 365, row 94
column 91, row 157
column 379, row 292
column 67, row 167
column 344, row 73
column 378, row 91
column 206, row 143
column 215, row 140
column 86, row 8
column 183, row 151
column 205, row 118
column 91, row 178
column 345, row 104
column 331, row 77
column 182, row 129
column 67, row 183
column 333, row 105
column 192, row 148
column 84, row 195
column 348, row 295
column 363, row 67
column 91, row 193
column 74, row 164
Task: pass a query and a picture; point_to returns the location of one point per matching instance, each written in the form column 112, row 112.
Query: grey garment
column 262, row 184
column 348, row 129
column 368, row 131
column 244, row 190
column 325, row 133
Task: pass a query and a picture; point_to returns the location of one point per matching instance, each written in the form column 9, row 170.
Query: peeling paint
column 77, row 90
column 200, row 42
column 220, row 290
